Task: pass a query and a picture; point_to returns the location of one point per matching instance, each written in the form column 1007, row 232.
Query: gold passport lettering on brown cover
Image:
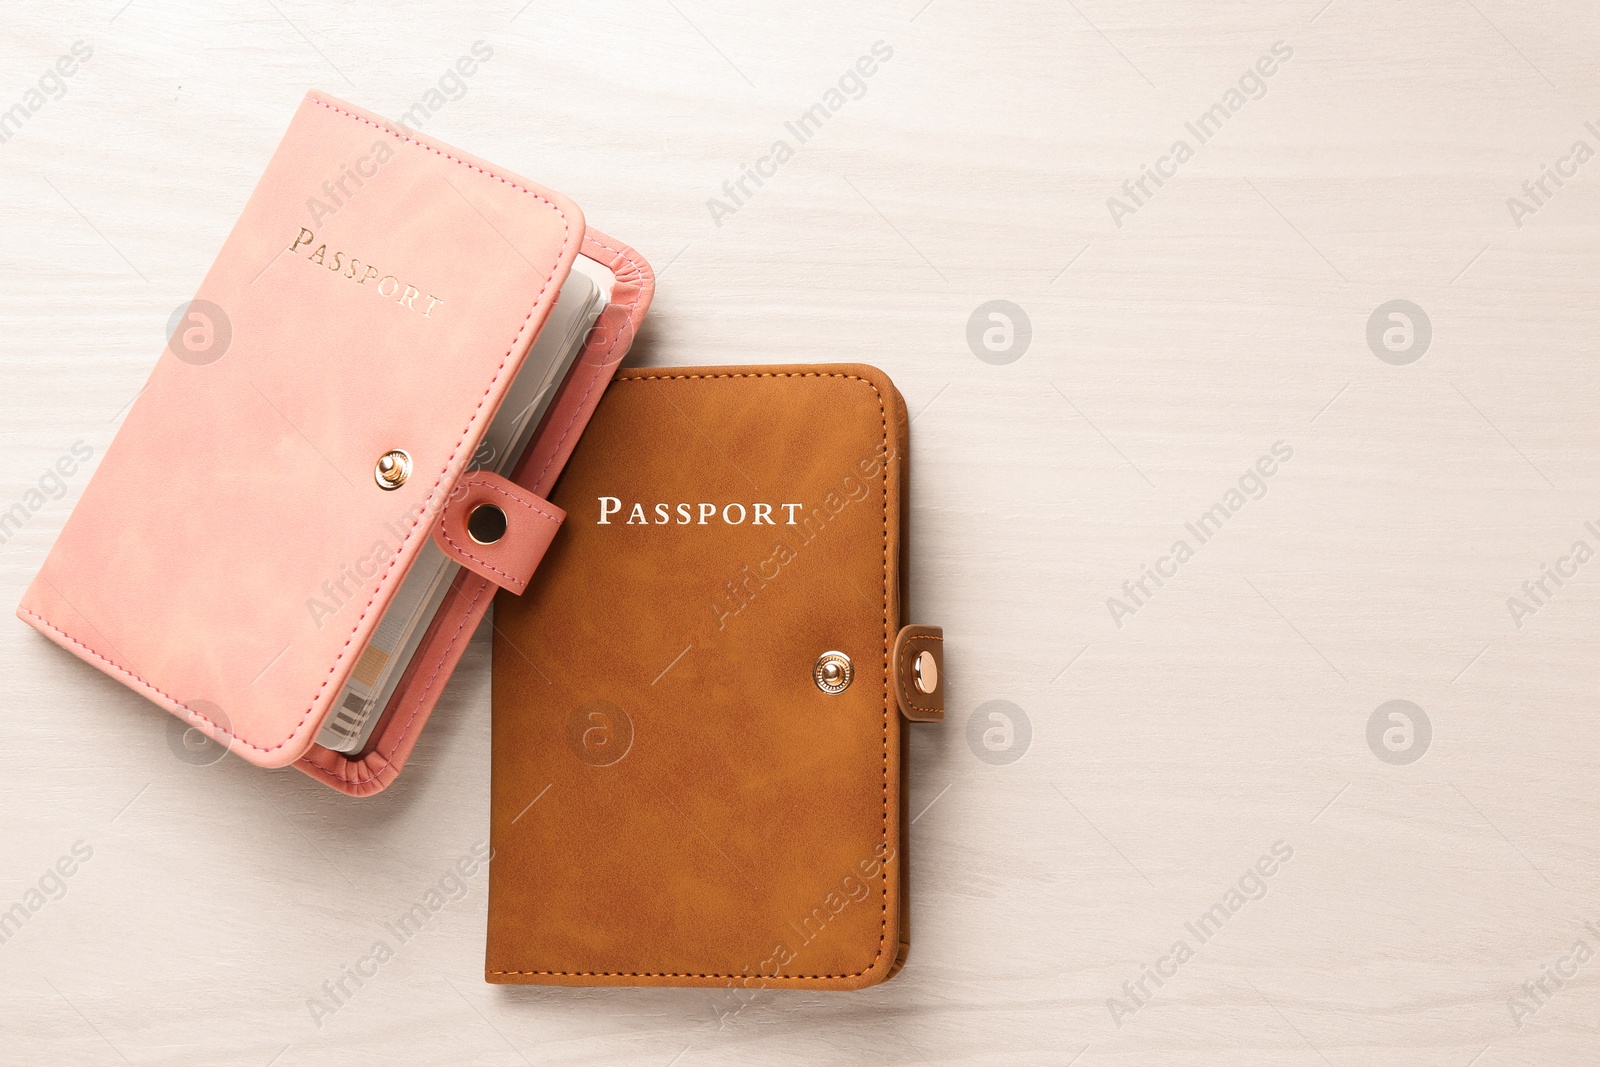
column 676, row 800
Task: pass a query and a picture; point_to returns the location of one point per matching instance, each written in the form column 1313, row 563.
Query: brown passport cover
column 675, row 800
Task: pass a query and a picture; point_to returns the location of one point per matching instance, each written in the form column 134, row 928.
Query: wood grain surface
column 1124, row 758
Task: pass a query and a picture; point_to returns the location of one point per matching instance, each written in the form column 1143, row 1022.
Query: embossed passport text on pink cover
column 379, row 293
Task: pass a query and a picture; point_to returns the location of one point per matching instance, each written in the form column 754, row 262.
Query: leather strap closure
column 503, row 548
column 918, row 664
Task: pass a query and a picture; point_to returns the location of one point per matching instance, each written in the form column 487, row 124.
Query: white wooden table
column 1173, row 339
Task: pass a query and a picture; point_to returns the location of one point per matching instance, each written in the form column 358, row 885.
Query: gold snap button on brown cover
column 833, row 672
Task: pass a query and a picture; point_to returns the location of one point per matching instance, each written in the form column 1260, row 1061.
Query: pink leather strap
column 509, row 559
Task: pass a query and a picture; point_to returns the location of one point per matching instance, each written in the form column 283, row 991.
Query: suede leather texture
column 675, row 801
column 232, row 553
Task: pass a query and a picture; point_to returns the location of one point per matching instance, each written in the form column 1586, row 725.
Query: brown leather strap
column 919, row 681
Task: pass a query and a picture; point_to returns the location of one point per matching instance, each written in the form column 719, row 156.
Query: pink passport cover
column 233, row 552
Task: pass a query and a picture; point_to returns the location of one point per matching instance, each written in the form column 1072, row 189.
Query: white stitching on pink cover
column 566, row 241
